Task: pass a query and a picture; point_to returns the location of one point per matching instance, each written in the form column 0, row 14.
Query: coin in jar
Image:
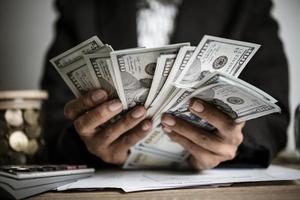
column 18, row 141
column 32, row 147
column 14, row 117
column 31, row 116
column 33, row 131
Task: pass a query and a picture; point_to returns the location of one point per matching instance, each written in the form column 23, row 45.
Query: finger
column 117, row 153
column 114, row 131
column 203, row 159
column 208, row 141
column 86, row 124
column 78, row 106
column 215, row 117
column 123, row 144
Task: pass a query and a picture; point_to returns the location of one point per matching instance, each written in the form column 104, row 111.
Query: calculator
column 22, row 181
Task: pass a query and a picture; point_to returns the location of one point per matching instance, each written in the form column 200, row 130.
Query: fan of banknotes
column 164, row 79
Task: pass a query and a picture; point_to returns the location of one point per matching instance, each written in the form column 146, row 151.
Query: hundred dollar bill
column 112, row 72
column 98, row 64
column 182, row 58
column 216, row 54
column 167, row 104
column 157, row 142
column 162, row 71
column 236, row 98
column 134, row 70
column 143, row 159
column 72, row 67
column 219, row 77
column 175, row 102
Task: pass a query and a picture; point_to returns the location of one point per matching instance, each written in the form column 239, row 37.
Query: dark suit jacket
column 114, row 21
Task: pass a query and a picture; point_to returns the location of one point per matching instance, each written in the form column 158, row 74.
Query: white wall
column 26, row 32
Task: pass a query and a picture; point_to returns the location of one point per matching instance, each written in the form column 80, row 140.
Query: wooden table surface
column 252, row 191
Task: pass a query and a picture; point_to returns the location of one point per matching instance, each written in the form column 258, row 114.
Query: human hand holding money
column 110, row 143
column 207, row 149
column 164, row 80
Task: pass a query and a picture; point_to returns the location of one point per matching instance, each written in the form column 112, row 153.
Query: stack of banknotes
column 164, row 79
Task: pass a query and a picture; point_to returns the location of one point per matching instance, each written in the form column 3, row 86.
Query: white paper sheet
column 131, row 181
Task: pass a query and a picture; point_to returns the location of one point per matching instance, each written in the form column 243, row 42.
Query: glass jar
column 20, row 126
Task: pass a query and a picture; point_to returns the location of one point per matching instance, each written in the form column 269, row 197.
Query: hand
column 113, row 142
column 207, row 149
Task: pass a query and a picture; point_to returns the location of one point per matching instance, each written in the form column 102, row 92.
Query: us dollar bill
column 216, row 54
column 180, row 62
column 142, row 159
column 221, row 77
column 112, row 72
column 97, row 63
column 134, row 70
column 234, row 97
column 177, row 100
column 162, row 71
column 73, row 69
column 157, row 142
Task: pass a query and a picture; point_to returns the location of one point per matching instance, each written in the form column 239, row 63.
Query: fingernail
column 115, row 105
column 98, row 95
column 197, row 106
column 169, row 121
column 146, row 126
column 166, row 129
column 137, row 113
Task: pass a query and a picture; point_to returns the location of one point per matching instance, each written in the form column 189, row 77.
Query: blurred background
column 27, row 31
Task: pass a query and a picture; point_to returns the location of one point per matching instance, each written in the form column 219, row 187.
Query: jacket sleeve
column 266, row 136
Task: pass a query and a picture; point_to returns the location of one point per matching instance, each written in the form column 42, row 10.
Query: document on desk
column 131, row 181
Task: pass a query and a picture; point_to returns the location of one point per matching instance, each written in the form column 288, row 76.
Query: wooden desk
column 252, row 191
